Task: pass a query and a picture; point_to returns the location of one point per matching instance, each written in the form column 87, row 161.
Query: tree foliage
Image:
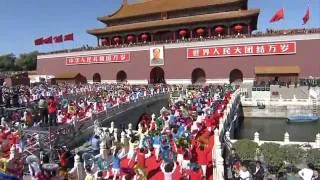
column 272, row 154
column 313, row 157
column 292, row 153
column 7, row 62
column 26, row 62
column 246, row 149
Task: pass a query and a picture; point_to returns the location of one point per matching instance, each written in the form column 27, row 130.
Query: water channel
column 273, row 129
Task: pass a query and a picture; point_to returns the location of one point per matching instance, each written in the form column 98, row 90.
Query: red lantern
column 130, row 38
column 104, row 42
column 238, row 28
column 200, row 31
column 144, row 37
column 183, row 33
column 116, row 39
column 219, row 29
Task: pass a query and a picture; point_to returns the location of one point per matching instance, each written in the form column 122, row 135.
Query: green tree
column 272, row 154
column 292, row 153
column 246, row 149
column 27, row 61
column 7, row 61
column 313, row 157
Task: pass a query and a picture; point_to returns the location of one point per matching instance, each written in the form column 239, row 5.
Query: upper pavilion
column 163, row 20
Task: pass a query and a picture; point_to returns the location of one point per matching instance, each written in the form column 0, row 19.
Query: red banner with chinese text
column 99, row 59
column 262, row 49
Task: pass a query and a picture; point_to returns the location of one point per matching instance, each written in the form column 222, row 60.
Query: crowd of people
column 43, row 105
column 177, row 144
column 58, row 104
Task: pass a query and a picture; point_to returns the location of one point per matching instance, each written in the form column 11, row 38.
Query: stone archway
column 236, row 76
column 121, row 76
column 96, row 78
column 157, row 75
column 198, row 76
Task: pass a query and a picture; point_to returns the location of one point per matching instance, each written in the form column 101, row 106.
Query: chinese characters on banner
column 99, row 59
column 262, row 49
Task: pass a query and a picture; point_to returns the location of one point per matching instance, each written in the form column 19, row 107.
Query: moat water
column 273, row 129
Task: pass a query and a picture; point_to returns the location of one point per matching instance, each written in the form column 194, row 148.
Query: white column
column 221, row 124
column 318, row 140
column 219, row 162
column 256, row 137
column 286, row 138
column 228, row 138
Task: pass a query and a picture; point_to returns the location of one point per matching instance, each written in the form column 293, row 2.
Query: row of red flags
column 280, row 15
column 54, row 39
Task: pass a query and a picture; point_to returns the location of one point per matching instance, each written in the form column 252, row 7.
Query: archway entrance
column 236, row 77
column 96, row 78
column 157, row 75
column 121, row 76
column 198, row 76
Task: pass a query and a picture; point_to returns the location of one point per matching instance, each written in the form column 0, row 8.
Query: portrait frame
column 156, row 56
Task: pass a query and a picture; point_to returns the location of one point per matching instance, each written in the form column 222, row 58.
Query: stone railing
column 286, row 141
column 225, row 122
column 279, row 102
column 123, row 107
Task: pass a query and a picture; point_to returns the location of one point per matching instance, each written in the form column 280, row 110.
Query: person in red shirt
column 141, row 158
column 141, row 162
column 202, row 154
column 52, row 110
column 195, row 173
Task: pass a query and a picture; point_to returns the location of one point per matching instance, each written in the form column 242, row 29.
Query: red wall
column 177, row 66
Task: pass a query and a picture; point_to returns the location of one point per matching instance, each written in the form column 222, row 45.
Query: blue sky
column 23, row 21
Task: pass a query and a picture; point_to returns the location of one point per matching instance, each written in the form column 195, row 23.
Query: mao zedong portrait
column 156, row 59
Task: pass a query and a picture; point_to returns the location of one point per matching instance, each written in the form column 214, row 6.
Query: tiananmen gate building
column 187, row 41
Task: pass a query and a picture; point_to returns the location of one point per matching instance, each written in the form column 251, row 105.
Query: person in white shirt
column 306, row 173
column 244, row 173
column 168, row 169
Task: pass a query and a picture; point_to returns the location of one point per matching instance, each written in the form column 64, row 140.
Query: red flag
column 47, row 40
column 68, row 37
column 306, row 17
column 58, row 39
column 38, row 41
column 278, row 16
